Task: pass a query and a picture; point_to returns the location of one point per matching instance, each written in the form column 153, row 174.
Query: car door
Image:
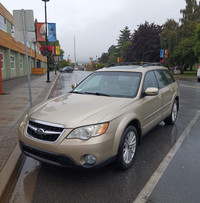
column 151, row 106
column 166, row 89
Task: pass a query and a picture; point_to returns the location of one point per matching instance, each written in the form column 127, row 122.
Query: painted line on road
column 189, row 86
column 150, row 185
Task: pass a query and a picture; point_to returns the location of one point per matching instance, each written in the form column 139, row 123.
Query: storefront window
column 3, row 25
column 21, row 63
column 2, row 63
column 12, row 61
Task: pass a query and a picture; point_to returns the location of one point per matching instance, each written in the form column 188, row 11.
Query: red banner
column 52, row 48
column 41, row 32
column 166, row 53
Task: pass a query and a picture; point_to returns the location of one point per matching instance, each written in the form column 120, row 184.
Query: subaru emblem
column 40, row 131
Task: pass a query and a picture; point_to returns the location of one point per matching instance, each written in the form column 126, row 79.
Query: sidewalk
column 13, row 105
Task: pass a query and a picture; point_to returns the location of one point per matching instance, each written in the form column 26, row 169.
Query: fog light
column 90, row 159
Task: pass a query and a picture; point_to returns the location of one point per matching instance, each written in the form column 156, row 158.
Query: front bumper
column 57, row 159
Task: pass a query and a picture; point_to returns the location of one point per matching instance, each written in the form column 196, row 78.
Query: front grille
column 44, row 131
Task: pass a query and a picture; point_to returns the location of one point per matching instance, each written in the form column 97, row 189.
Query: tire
column 173, row 116
column 127, row 148
column 198, row 79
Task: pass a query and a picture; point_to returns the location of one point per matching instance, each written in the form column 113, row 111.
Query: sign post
column 26, row 50
column 1, row 82
column 25, row 31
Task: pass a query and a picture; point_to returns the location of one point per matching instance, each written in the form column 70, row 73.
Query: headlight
column 85, row 133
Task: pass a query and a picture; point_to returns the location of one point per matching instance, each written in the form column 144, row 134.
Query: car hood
column 73, row 110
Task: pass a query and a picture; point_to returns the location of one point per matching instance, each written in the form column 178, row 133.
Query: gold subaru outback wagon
column 102, row 119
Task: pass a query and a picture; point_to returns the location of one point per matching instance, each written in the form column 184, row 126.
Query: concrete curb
column 12, row 168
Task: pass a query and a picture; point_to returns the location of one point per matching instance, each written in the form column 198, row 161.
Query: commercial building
column 13, row 57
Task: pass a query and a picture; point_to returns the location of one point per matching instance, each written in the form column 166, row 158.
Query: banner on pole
column 162, row 53
column 51, row 32
column 52, row 48
column 41, row 32
column 57, row 50
column 166, row 53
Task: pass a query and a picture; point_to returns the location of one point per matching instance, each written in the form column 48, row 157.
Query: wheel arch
column 137, row 125
column 123, row 125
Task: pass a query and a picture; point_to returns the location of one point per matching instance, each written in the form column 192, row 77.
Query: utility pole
column 46, row 42
column 74, row 53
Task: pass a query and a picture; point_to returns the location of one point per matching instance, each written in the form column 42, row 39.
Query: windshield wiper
column 93, row 93
column 78, row 92
column 97, row 93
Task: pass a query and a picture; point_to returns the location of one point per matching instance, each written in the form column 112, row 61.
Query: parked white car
column 198, row 74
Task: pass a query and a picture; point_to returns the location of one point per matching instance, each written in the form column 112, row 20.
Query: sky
column 95, row 24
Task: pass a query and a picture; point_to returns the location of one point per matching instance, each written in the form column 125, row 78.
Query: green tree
column 190, row 19
column 169, row 39
column 185, row 53
column 104, row 58
column 63, row 63
column 124, row 50
column 197, row 42
column 112, row 54
column 191, row 12
column 125, row 36
column 124, row 41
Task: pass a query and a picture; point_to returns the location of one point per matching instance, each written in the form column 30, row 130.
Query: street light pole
column 46, row 41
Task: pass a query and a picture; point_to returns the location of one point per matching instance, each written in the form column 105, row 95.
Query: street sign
column 18, row 24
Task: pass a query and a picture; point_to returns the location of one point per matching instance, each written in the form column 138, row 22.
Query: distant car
column 102, row 119
column 176, row 70
column 67, row 70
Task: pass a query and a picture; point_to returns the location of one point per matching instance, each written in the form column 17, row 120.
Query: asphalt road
column 166, row 168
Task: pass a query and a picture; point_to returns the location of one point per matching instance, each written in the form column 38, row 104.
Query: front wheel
column 127, row 148
column 173, row 116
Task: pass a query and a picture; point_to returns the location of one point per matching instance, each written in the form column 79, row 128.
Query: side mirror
column 74, row 85
column 151, row 91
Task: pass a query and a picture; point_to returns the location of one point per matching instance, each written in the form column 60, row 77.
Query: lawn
column 189, row 73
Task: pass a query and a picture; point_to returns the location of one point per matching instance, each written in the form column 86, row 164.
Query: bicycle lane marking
column 150, row 185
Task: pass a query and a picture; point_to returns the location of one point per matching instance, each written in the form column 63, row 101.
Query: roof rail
column 144, row 64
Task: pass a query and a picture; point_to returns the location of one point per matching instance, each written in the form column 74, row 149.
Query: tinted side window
column 149, row 81
column 162, row 79
column 169, row 76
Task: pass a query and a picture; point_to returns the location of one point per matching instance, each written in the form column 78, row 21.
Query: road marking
column 150, row 185
column 189, row 86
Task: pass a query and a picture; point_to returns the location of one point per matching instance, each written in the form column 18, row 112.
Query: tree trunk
column 183, row 68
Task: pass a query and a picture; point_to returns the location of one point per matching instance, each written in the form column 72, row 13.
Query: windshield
column 114, row 84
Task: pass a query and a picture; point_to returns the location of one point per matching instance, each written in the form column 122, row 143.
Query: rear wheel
column 198, row 79
column 127, row 148
column 173, row 116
